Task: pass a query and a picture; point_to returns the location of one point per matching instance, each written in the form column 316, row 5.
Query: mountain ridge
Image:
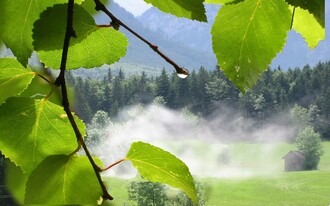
column 139, row 53
column 189, row 43
column 294, row 54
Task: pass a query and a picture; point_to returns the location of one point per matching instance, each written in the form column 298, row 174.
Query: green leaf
column 191, row 9
column 39, row 89
column 14, row 78
column 31, row 130
column 316, row 7
column 89, row 5
column 246, row 37
column 16, row 181
column 94, row 46
column 308, row 27
column 16, row 20
column 158, row 165
column 2, row 47
column 63, row 180
column 219, row 1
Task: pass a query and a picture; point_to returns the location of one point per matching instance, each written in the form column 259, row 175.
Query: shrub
column 309, row 143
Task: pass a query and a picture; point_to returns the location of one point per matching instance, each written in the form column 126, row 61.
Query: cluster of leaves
column 247, row 34
column 36, row 134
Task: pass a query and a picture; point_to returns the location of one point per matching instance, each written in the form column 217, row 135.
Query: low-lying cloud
column 206, row 146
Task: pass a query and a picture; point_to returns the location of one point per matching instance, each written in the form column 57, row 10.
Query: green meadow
column 294, row 188
column 274, row 187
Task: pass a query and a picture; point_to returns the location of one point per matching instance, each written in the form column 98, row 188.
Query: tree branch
column 60, row 81
column 115, row 21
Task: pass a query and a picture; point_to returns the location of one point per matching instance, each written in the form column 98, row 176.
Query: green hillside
column 307, row 188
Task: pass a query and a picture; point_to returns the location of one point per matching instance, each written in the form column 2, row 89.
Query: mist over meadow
column 203, row 119
column 205, row 145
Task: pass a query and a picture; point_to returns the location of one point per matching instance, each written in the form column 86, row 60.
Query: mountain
column 196, row 35
column 138, row 53
column 189, row 43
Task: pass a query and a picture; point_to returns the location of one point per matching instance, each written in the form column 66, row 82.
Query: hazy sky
column 137, row 7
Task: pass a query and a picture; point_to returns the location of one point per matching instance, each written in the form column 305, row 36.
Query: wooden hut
column 294, row 161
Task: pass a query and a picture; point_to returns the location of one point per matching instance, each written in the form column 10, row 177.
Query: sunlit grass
column 308, row 188
column 294, row 188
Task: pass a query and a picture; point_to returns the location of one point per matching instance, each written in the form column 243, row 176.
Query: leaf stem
column 42, row 77
column 50, row 93
column 292, row 18
column 100, row 6
column 103, row 25
column 60, row 81
column 112, row 165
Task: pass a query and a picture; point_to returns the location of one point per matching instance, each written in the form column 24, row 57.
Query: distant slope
column 196, row 35
column 193, row 34
column 189, row 42
column 139, row 53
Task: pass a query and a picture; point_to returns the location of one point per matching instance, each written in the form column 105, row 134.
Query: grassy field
column 308, row 188
column 258, row 155
column 295, row 188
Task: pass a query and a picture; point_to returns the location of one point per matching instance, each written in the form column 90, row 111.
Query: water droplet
column 182, row 76
column 182, row 73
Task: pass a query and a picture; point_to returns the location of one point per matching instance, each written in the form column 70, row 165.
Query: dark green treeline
column 204, row 92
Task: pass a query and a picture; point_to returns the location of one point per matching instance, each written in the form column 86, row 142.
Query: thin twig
column 112, row 165
column 292, row 18
column 60, row 81
column 100, row 6
column 103, row 25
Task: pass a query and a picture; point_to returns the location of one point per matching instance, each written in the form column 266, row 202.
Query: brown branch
column 103, row 25
column 114, row 20
column 112, row 165
column 60, row 81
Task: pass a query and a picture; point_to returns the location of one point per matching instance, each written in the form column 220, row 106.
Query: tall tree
column 117, row 91
column 81, row 104
column 163, row 86
column 203, row 98
column 106, row 100
column 109, row 76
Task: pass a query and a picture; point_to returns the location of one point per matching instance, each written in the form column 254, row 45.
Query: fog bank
column 208, row 147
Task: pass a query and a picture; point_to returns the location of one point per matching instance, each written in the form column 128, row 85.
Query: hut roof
column 294, row 153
